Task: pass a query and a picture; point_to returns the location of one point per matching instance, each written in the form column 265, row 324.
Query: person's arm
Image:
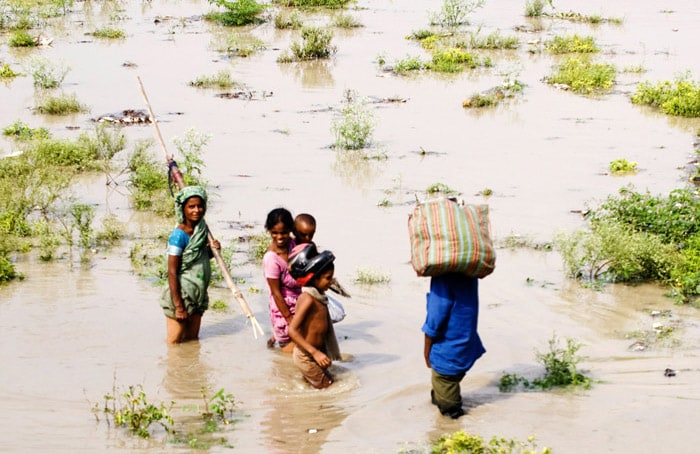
column 304, row 303
column 281, row 304
column 174, row 262
column 428, row 344
column 213, row 245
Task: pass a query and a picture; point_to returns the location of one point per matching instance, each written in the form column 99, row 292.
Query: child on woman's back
column 311, row 328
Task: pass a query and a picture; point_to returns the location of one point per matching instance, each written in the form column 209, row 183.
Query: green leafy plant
column 7, row 269
column 560, row 364
column 313, row 3
column 346, row 21
column 221, row 79
column 132, row 410
column 315, row 44
column 583, row 75
column 441, row 189
column 258, row 245
column 47, row 74
column 494, row 40
column 571, row 44
column 367, row 276
column 461, row 442
column 354, row 128
column 680, row 97
column 237, row 12
column 292, row 21
column 535, row 8
column 6, row 72
column 61, row 105
column 454, row 13
column 21, row 131
column 622, row 166
column 108, row 33
column 22, row 38
column 410, row 63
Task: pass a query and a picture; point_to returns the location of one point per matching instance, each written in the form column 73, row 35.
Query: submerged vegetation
column 571, row 44
column 108, row 33
column 637, row 237
column 236, row 12
column 461, row 442
column 222, row 79
column 680, row 97
column 560, row 369
column 354, row 128
column 60, row 105
column 583, row 76
column 315, row 44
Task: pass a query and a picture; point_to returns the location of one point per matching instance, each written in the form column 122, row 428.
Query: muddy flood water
column 72, row 332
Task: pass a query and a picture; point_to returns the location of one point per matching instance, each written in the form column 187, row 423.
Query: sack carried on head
column 449, row 238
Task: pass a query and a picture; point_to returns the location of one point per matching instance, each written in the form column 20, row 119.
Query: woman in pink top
column 284, row 290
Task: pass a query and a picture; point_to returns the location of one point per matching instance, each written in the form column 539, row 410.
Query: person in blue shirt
column 452, row 344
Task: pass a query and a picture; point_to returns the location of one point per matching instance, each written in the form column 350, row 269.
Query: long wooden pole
column 177, row 177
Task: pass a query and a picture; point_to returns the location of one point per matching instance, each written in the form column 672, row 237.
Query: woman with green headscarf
column 189, row 270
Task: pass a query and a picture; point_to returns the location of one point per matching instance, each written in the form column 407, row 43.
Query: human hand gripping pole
column 180, row 183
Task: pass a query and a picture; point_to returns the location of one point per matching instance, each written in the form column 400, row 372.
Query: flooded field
column 72, row 332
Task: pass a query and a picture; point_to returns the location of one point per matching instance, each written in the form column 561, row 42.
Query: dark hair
column 278, row 215
column 306, row 217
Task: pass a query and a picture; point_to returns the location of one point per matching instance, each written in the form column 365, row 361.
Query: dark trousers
column 446, row 393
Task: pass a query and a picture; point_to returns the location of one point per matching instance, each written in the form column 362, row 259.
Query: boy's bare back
column 312, row 320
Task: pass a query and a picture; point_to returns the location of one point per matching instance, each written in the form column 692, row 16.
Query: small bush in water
column 315, row 44
column 237, row 12
column 284, row 21
column 7, row 269
column 222, row 79
column 22, row 38
column 21, row 131
column 571, row 44
column 354, row 128
column 108, row 33
column 132, row 410
column 680, row 97
column 584, row 76
column 61, row 105
column 47, row 74
column 560, row 369
column 622, row 166
column 461, row 442
column 454, row 13
column 308, row 3
column 368, row 276
column 6, row 72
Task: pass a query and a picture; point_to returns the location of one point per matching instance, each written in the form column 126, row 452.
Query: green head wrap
column 184, row 194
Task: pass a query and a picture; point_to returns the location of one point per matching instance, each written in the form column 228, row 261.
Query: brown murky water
column 70, row 333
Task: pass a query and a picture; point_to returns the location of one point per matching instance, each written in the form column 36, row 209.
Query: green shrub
column 7, row 269
column 293, row 21
column 21, row 131
column 60, row 105
column 571, row 44
column 6, row 72
column 222, row 79
column 451, row 60
column 454, row 13
column 493, row 40
column 346, row 21
column 680, row 97
column 238, row 12
column 353, row 130
column 584, row 76
column 47, row 74
column 535, row 8
column 108, row 33
column 408, row 64
column 622, row 166
column 22, row 38
column 315, row 44
column 461, row 442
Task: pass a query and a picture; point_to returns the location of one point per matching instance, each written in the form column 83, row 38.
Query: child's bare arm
column 304, row 304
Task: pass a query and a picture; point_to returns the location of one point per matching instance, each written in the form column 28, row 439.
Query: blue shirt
column 177, row 242
column 453, row 312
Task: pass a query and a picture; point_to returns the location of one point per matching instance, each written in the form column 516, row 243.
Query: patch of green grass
column 535, row 8
column 571, row 44
column 22, row 38
column 258, row 245
column 7, row 269
column 573, row 16
column 238, row 44
column 367, row 276
column 494, row 96
column 583, row 75
column 454, row 59
column 492, row 41
column 236, row 12
column 315, row 44
column 288, row 21
column 61, row 105
column 6, row 72
column 634, row 69
column 410, row 63
column 622, row 166
column 346, row 21
column 108, row 33
column 47, row 74
column 21, row 131
column 680, row 97
column 221, row 79
column 132, row 410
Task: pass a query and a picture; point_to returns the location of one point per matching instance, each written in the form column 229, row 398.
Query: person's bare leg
column 194, row 321
column 174, row 331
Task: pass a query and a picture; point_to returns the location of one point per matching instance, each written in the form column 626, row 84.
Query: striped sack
column 449, row 238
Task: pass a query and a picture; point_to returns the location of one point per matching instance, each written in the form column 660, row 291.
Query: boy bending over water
column 311, row 328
